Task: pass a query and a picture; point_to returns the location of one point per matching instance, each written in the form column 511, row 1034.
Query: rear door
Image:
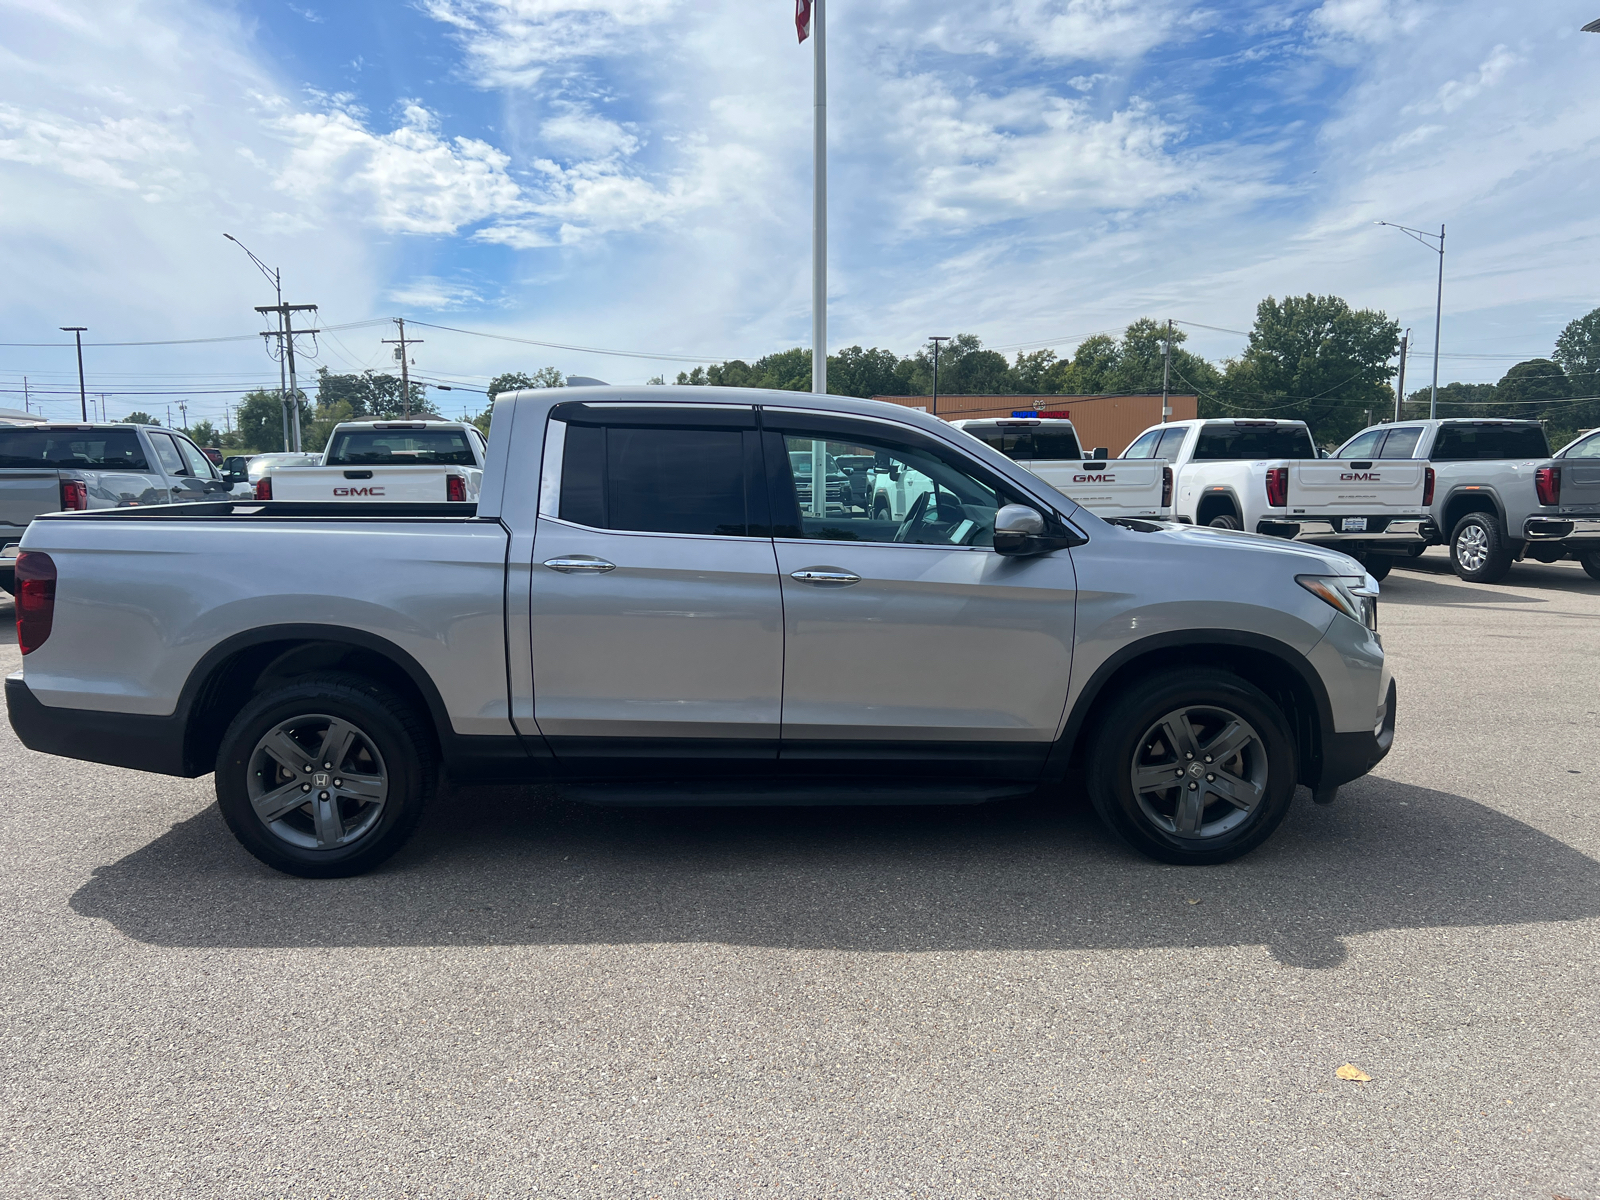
column 183, row 485
column 656, row 618
column 911, row 641
column 1580, row 476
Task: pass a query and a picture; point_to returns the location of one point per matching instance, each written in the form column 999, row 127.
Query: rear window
column 1028, row 443
column 1220, row 443
column 68, row 448
column 1469, row 443
column 401, row 447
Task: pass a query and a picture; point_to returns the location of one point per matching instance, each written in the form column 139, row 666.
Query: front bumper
column 1347, row 756
column 143, row 743
column 1379, row 533
column 1577, row 530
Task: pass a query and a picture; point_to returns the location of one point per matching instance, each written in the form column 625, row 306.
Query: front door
column 909, row 640
column 657, row 621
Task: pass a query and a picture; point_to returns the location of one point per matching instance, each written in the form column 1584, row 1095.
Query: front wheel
column 1478, row 549
column 1192, row 767
column 326, row 776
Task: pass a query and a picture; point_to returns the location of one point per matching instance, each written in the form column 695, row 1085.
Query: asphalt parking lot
column 539, row 998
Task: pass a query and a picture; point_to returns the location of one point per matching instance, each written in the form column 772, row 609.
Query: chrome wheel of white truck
column 325, row 777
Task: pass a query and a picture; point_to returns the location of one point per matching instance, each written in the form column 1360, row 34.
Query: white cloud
column 1453, row 93
column 431, row 292
column 512, row 43
column 1367, row 20
column 410, row 180
column 132, row 153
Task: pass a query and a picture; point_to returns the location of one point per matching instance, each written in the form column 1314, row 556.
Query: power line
column 505, row 337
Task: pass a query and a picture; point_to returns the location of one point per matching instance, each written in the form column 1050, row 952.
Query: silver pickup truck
column 63, row 467
column 639, row 607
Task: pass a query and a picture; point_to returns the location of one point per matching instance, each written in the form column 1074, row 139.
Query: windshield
column 1245, row 440
column 1028, row 443
column 84, row 448
column 401, row 447
column 800, row 464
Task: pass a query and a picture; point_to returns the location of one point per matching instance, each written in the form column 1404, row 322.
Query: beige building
column 1109, row 421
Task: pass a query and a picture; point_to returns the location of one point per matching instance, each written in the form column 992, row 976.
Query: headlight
column 1356, row 596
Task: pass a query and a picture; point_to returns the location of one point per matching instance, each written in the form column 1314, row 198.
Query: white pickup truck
column 395, row 462
column 1267, row 477
column 1049, row 447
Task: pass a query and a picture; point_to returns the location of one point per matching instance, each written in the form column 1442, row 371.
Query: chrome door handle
column 824, row 575
column 582, row 562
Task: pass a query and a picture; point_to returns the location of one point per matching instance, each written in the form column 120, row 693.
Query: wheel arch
column 1215, row 501
column 236, row 669
column 1276, row 668
column 1462, row 501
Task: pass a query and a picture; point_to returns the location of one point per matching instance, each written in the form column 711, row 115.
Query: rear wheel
column 325, row 777
column 1478, row 549
column 1192, row 767
column 1225, row 521
column 1591, row 563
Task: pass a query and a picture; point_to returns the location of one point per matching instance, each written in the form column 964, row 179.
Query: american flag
column 802, row 18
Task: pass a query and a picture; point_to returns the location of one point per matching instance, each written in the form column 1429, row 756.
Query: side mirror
column 231, row 478
column 894, row 472
column 1101, row 452
column 1016, row 528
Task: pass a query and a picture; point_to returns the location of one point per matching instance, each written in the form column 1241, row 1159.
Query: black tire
column 1591, row 564
column 1378, row 566
column 1478, row 549
column 1223, row 831
column 1416, row 551
column 1225, row 521
column 391, row 745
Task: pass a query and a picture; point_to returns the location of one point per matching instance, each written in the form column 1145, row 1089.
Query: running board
column 723, row 793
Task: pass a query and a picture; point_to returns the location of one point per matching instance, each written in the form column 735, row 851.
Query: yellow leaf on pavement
column 1351, row 1071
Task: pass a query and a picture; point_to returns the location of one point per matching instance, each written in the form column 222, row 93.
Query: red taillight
column 36, row 598
column 1427, row 486
column 74, row 495
column 1166, row 487
column 1547, row 482
column 264, row 488
column 1278, row 487
column 455, row 487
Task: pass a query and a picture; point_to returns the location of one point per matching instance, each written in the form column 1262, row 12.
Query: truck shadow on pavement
column 503, row 866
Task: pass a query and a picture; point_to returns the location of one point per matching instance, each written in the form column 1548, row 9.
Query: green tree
column 260, row 421
column 1315, row 359
column 512, row 381
column 1455, row 400
column 1527, row 390
column 204, row 433
column 140, row 418
column 1578, row 352
column 370, row 394
column 855, row 371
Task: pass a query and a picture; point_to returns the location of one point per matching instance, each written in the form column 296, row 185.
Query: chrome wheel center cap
column 1196, row 770
column 320, row 780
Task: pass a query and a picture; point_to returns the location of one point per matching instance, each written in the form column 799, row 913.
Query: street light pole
column 1438, row 313
column 274, row 277
column 936, row 341
column 77, row 332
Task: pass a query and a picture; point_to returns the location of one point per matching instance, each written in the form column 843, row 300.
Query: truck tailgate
column 1391, row 485
column 24, row 494
column 1119, row 488
column 416, row 485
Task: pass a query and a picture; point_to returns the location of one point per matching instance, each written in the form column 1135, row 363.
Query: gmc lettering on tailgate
column 358, row 491
column 1360, row 477
column 1094, row 479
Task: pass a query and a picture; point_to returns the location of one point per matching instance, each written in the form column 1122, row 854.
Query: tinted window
column 1144, row 446
column 909, row 494
column 167, row 454
column 199, row 465
column 1585, row 449
column 1467, row 443
column 401, row 447
column 1171, row 443
column 654, row 480
column 1401, row 443
column 67, row 448
column 1029, row 443
column 1248, row 441
column 1364, row 445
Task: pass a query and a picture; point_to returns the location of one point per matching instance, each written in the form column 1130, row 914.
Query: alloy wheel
column 1199, row 772
column 1472, row 547
column 317, row 782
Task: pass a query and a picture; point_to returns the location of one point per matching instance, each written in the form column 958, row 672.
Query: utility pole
column 285, row 333
column 77, row 332
column 1400, row 384
column 1427, row 239
column 1166, row 372
column 936, row 341
column 102, row 406
column 819, row 192
column 26, row 407
column 400, row 343
column 183, row 411
column 169, row 416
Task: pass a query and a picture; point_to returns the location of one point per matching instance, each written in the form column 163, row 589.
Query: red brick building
column 1109, row 421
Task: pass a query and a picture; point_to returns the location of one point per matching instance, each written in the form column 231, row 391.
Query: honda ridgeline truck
column 395, row 462
column 1268, row 477
column 1498, row 495
column 639, row 608
column 1049, row 447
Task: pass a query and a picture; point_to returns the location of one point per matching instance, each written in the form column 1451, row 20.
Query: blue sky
column 635, row 175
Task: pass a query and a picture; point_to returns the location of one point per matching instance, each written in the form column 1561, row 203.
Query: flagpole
column 819, row 203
